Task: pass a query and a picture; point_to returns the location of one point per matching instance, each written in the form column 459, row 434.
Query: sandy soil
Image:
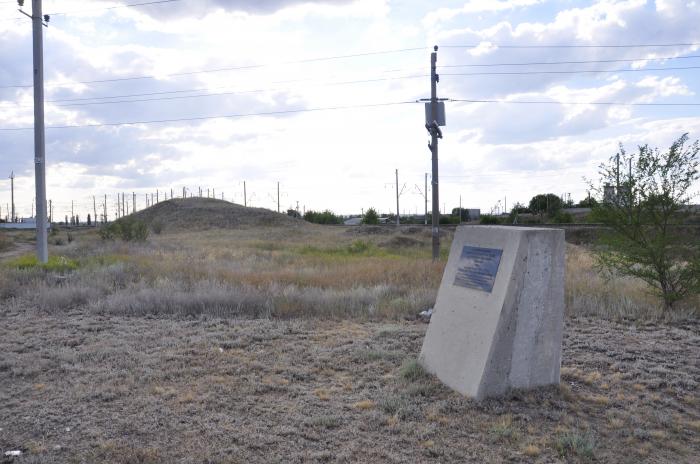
column 85, row 388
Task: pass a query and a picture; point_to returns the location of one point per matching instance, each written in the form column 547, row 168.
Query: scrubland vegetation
column 276, row 272
column 298, row 344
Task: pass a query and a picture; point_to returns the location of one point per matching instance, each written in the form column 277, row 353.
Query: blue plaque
column 477, row 268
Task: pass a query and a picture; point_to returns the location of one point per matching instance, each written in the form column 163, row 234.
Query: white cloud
column 475, row 6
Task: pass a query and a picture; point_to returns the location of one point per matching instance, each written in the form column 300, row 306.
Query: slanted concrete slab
column 498, row 319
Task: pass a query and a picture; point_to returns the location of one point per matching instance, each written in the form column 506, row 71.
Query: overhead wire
column 234, row 92
column 225, row 116
column 232, row 68
column 577, row 71
column 554, row 102
column 540, row 63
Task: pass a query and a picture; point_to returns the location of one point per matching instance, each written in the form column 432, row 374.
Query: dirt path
column 87, row 388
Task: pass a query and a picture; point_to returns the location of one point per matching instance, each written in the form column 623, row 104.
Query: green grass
column 577, row 444
column 55, row 263
column 412, row 371
column 358, row 248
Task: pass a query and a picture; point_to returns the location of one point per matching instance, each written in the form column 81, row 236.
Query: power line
column 545, row 102
column 233, row 68
column 130, row 5
column 692, row 44
column 226, row 116
column 537, row 63
column 578, row 71
column 235, row 92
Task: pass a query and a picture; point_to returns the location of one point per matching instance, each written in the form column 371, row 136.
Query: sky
column 320, row 97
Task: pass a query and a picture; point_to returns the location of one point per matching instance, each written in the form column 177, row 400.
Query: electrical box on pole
column 439, row 117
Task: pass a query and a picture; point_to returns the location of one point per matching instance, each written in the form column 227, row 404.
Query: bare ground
column 80, row 387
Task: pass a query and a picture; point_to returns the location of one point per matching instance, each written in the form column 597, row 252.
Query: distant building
column 609, row 194
column 353, row 221
column 24, row 223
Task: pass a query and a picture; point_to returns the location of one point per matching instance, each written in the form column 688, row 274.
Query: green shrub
column 563, row 218
column 324, row 217
column 370, row 217
column 412, row 371
column 157, row 227
column 127, row 229
column 576, row 443
column 488, row 219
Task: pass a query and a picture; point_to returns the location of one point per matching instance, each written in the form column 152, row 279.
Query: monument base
column 499, row 314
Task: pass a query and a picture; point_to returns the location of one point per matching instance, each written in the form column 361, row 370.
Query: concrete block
column 499, row 314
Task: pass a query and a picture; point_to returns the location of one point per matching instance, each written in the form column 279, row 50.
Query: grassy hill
column 209, row 213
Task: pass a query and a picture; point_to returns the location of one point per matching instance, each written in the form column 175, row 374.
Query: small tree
column 462, row 213
column 643, row 216
column 370, row 217
column 548, row 204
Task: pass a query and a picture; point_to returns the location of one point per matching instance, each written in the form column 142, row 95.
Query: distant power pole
column 50, row 212
column 245, row 197
column 278, row 196
column 104, row 218
column 12, row 196
column 133, row 201
column 213, row 193
column 123, row 204
column 157, row 196
column 171, row 194
column 397, row 198
column 184, row 192
column 425, row 196
column 94, row 209
column 72, row 214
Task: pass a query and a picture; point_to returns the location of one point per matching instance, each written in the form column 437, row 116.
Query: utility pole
column 278, row 196
column 213, row 193
column 157, row 196
column 245, row 197
column 435, row 133
column 94, row 210
column 50, row 212
column 425, row 197
column 123, row 204
column 398, row 221
column 133, row 201
column 42, row 248
column 104, row 218
column 12, row 196
column 72, row 214
column 171, row 193
column 460, row 208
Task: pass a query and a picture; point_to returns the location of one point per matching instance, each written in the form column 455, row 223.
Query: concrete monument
column 498, row 319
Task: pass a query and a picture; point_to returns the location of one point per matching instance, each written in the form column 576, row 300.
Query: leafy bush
column 127, row 229
column 370, row 217
column 157, row 227
column 324, row 217
column 488, row 219
column 563, row 218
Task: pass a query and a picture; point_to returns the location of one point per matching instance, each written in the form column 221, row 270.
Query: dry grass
column 286, row 272
column 106, row 388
